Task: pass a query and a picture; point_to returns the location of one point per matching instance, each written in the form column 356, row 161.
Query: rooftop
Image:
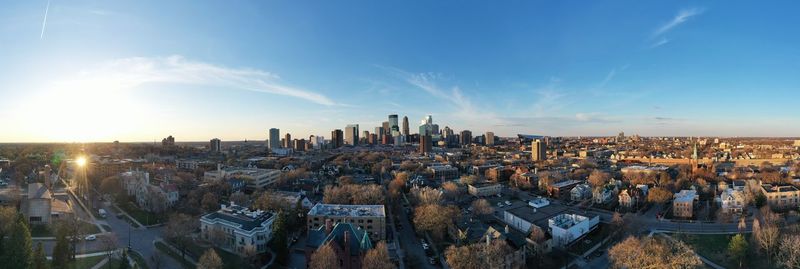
column 565, row 221
column 348, row 210
column 247, row 219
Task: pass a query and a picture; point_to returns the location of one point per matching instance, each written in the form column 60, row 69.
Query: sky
column 84, row 71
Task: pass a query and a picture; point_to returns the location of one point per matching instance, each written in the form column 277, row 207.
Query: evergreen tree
column 19, row 247
column 39, row 259
column 279, row 237
column 60, row 251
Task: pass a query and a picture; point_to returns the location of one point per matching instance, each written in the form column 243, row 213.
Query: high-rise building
column 466, row 137
column 168, row 142
column 393, row 125
column 380, row 131
column 274, row 138
column 287, row 141
column 386, row 128
column 489, row 138
column 425, row 143
column 300, row 145
column 365, row 137
column 538, row 150
column 337, row 139
column 427, row 127
column 351, row 134
column 215, row 145
column 405, row 126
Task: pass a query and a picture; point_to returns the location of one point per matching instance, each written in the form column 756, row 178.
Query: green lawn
column 85, row 263
column 142, row 216
column 177, row 256
column 715, row 248
column 42, row 230
column 231, row 261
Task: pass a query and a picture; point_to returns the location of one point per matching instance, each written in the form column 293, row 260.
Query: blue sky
column 142, row 70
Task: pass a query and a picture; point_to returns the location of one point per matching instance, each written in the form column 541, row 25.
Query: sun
column 81, row 161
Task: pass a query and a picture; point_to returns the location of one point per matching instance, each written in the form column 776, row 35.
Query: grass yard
column 715, row 248
column 231, row 261
column 43, row 230
column 85, row 263
column 177, row 256
column 142, row 216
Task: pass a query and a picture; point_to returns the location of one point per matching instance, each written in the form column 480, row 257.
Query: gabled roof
column 361, row 244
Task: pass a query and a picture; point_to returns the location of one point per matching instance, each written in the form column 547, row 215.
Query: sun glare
column 80, row 161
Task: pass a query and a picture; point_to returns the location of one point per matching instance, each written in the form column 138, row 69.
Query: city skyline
column 556, row 69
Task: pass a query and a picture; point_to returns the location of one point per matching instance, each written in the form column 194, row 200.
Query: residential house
column 581, row 192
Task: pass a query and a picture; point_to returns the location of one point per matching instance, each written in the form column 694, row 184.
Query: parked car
column 508, row 203
column 91, row 237
column 432, row 260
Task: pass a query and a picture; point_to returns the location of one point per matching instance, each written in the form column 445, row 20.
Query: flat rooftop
column 321, row 209
column 245, row 218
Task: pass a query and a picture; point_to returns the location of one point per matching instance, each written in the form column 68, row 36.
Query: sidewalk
column 85, row 209
column 176, row 251
column 141, row 226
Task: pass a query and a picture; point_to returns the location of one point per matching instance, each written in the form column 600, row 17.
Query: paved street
column 141, row 240
column 411, row 244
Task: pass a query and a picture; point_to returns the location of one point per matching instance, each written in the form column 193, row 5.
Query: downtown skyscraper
column 274, row 138
column 393, row 125
column 405, row 126
column 351, row 134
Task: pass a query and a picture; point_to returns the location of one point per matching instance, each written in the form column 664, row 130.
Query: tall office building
column 365, row 137
column 337, row 139
column 393, row 124
column 300, row 145
column 386, row 128
column 466, row 137
column 287, row 141
column 489, row 138
column 426, row 126
column 538, row 150
column 425, row 143
column 405, row 126
column 215, row 145
column 274, row 138
column 380, row 131
column 351, row 134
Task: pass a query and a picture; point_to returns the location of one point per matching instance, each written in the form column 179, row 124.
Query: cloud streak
column 44, row 22
column 136, row 71
column 682, row 17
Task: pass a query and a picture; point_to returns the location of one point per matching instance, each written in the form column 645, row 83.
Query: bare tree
column 598, row 178
column 481, row 207
column 766, row 236
column 789, row 255
column 378, row 258
column 210, row 260
column 427, row 195
column 652, row 252
column 324, row 257
column 179, row 230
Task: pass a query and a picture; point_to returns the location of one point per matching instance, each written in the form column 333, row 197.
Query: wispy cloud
column 44, row 22
column 680, row 18
column 430, row 84
column 657, row 39
column 136, row 71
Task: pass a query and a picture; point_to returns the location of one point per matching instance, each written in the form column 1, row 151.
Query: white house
column 732, row 201
column 581, row 192
column 238, row 229
column 568, row 227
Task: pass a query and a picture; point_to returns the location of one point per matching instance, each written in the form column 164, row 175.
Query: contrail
column 44, row 23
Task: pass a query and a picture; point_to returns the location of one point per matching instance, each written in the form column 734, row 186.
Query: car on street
column 91, row 237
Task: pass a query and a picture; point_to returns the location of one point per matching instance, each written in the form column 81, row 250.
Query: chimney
column 347, row 243
column 328, row 226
